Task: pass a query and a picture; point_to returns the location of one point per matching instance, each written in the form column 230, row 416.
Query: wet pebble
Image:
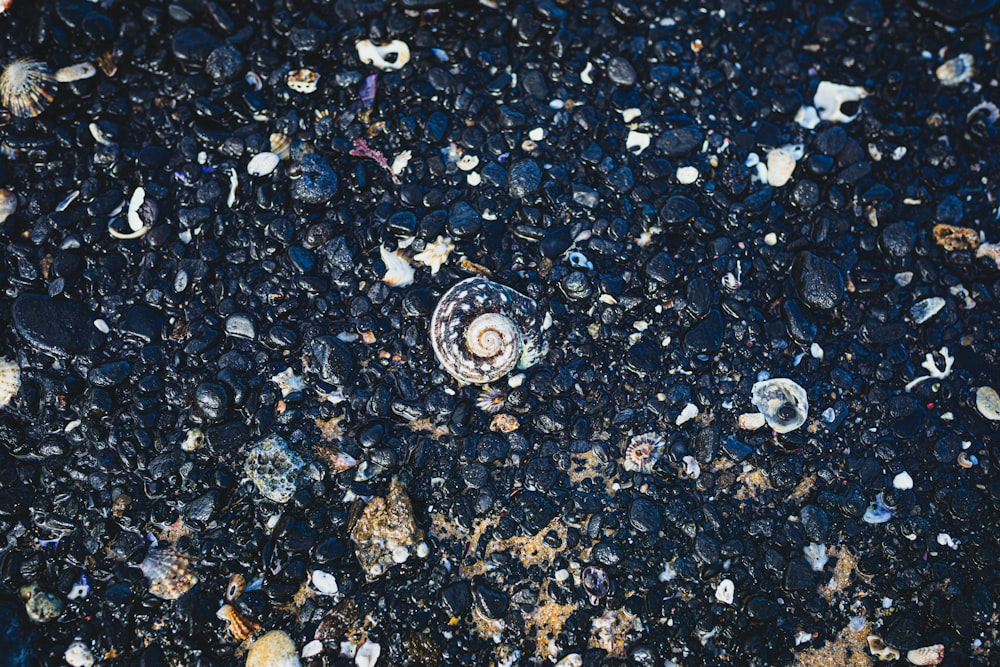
column 18, row 639
column 193, row 45
column 317, row 182
column 818, row 282
column 523, row 178
column 224, row 63
column 55, row 325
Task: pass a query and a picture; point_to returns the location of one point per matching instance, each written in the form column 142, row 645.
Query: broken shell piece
column 234, row 589
column 77, row 72
column 926, row 655
column 725, row 591
column 782, row 402
column 263, row 164
column 957, row 70
column 780, row 165
column 169, row 572
column 8, row 204
column 281, row 145
column 636, row 142
column 816, row 556
column 274, row 649
column 241, row 626
column 877, row 512
column 435, row 254
column 951, row 237
column 926, row 309
column 751, row 421
column 830, row 96
column 398, row 271
column 987, row 402
column 10, row 380
column 303, row 80
column 880, row 649
column 372, row 54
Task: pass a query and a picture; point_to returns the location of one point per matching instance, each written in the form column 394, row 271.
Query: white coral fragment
column 830, row 96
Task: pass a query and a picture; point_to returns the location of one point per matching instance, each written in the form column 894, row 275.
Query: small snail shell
column 481, row 330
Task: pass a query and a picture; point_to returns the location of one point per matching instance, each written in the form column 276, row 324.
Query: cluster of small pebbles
column 428, row 332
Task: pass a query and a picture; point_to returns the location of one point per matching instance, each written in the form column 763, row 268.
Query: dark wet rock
column 524, row 178
column 464, row 221
column 762, row 609
column 644, row 516
column 679, row 141
column 333, row 359
column 317, row 182
column 457, row 598
column 109, row 374
column 706, row 336
column 211, row 400
column 224, row 63
column 55, row 325
column 143, row 323
column 556, row 242
column 620, row 71
column 818, row 282
column 678, row 209
column 241, row 325
column 18, row 638
column 193, row 45
column 661, row 268
column 955, row 12
column 865, row 13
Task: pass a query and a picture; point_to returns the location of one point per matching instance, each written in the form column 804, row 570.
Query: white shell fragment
column 398, row 271
column 135, row 222
column 877, row 512
column 315, row 647
column 687, row 175
column 780, row 165
column 10, row 380
column 816, row 556
column 373, row 54
column 263, row 164
column 303, row 80
column 367, row 654
column 902, row 481
column 751, row 421
column 325, row 582
column 78, row 655
column 830, row 96
column 880, row 649
column 987, row 402
column 725, row 591
column 924, row 310
column 783, row 403
column 274, row 649
column 951, row 73
column 926, row 655
column 435, row 254
column 636, row 142
column 77, row 72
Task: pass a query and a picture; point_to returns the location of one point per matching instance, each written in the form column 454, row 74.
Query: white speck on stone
column 689, row 412
column 263, row 164
column 636, row 142
column 367, row 654
column 816, row 556
column 325, row 582
column 630, row 114
column 946, row 540
column 315, row 647
column 780, row 165
column 725, row 591
column 903, row 481
column 830, row 96
column 537, row 134
column 400, row 161
column 687, row 175
column 101, row 326
column 816, row 351
column 807, row 117
column 587, row 74
column 398, row 271
column 372, row 54
column 78, row 655
column 751, row 421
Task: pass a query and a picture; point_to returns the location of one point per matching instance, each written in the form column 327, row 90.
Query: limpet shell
column 782, row 402
column 27, row 87
column 10, row 380
column 481, row 330
column 170, row 572
column 987, row 402
column 958, row 70
column 643, row 452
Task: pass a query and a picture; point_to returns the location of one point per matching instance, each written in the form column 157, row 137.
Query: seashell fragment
column 27, row 87
column 782, row 402
column 816, row 556
column 924, row 310
column 830, row 96
column 725, row 592
column 951, row 237
column 987, row 402
column 263, row 164
column 880, row 649
column 8, row 204
column 372, row 54
column 241, row 626
column 281, row 145
column 368, row 654
column 78, row 655
column 41, row 606
column 384, row 525
column 435, row 254
column 481, row 330
column 77, row 72
column 234, row 589
column 10, row 380
column 595, row 582
column 169, row 572
column 273, row 468
column 926, row 655
column 958, row 70
column 643, row 452
column 303, row 80
column 398, row 271
column 780, row 165
column 274, row 649
column 877, row 512
column 325, row 582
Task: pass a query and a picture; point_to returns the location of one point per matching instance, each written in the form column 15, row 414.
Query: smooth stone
column 193, row 45
column 620, row 71
column 463, row 220
column 18, row 638
column 524, row 178
column 109, row 374
column 819, row 283
column 333, row 359
column 678, row 209
column 556, row 242
column 661, row 268
column 317, row 183
column 143, row 322
column 211, row 400
column 955, row 11
column 706, row 336
column 679, row 141
column 65, row 328
column 241, row 325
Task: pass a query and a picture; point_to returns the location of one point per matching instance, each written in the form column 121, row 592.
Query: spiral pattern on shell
column 481, row 330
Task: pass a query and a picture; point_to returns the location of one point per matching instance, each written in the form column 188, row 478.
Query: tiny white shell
column 263, row 164
column 398, row 271
column 76, row 72
column 78, row 655
column 926, row 655
column 325, row 582
column 988, row 403
column 880, row 649
column 372, row 54
column 926, row 309
column 726, row 591
column 957, row 70
column 780, row 165
column 783, row 403
column 435, row 254
column 367, row 654
column 303, row 80
column 830, row 96
column 10, row 380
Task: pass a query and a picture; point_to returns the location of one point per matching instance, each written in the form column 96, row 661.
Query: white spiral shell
column 481, row 330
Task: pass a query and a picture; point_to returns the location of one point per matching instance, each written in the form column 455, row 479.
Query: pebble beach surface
column 571, row 332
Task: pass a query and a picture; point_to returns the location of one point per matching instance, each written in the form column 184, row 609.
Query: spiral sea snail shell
column 481, row 330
